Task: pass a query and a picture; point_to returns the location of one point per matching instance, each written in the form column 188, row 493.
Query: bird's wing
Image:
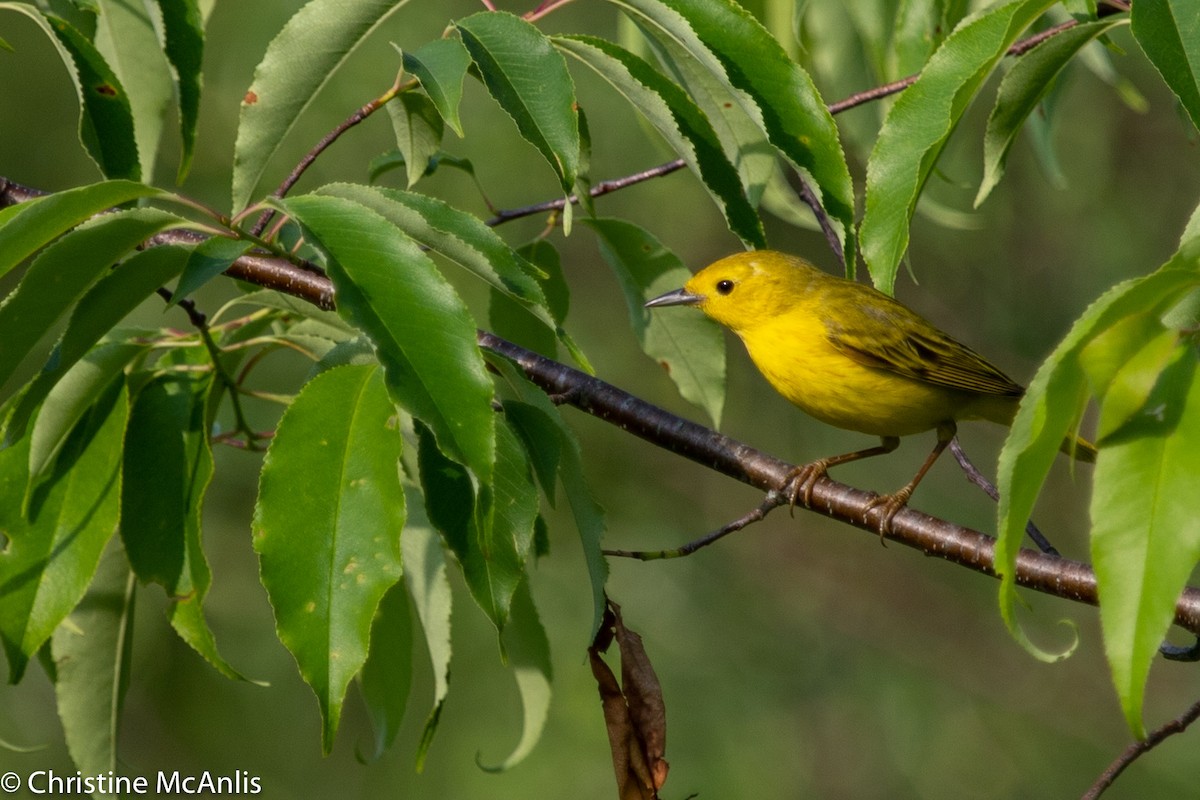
column 894, row 338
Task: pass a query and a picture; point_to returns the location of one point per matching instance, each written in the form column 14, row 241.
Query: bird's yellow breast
column 793, row 351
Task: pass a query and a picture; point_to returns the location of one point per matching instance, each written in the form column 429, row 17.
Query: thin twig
column 544, row 8
column 773, row 500
column 810, row 199
column 1137, row 749
column 979, row 479
column 329, row 138
column 601, row 188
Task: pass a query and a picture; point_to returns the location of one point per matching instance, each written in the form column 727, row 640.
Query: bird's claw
column 889, row 505
column 799, row 483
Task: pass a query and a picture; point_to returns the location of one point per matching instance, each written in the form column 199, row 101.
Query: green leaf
column 589, row 516
column 106, row 127
column 742, row 139
column 774, row 90
column 313, row 44
column 459, row 236
column 125, row 37
column 386, row 677
column 91, row 651
column 1050, row 409
column 440, row 66
column 423, row 332
column 690, row 347
column 1023, row 88
column 206, row 261
column 920, row 122
column 790, row 109
column 490, row 533
column 1123, row 365
column 512, row 321
column 1168, row 31
column 425, row 574
column 53, row 548
column 418, row 131
column 30, row 226
column 63, row 272
column 166, row 472
column 679, row 120
column 327, row 526
column 183, row 35
column 1145, row 535
column 529, row 79
column 70, row 399
column 528, row 652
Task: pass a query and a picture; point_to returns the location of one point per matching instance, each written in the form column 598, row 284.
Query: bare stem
column 320, row 147
column 1137, row 749
column 773, row 500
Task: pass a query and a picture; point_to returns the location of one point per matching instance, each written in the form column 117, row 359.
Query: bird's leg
column 892, row 503
column 799, row 482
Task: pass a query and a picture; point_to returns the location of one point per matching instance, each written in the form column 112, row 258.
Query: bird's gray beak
column 679, row 297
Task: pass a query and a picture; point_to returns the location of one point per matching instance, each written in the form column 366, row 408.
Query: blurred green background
column 798, row 658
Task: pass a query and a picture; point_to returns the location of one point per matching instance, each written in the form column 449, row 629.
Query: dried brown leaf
column 629, row 764
column 643, row 695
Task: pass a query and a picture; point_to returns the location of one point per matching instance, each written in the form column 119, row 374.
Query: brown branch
column 1137, row 749
column 1061, row 577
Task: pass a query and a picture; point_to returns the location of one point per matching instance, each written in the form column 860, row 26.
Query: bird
column 852, row 357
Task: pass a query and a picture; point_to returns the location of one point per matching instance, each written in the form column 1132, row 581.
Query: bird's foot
column 799, row 483
column 888, row 505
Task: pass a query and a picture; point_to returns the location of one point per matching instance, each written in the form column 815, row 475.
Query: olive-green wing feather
column 882, row 333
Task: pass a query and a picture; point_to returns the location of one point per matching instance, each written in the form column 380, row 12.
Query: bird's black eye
column 724, row 287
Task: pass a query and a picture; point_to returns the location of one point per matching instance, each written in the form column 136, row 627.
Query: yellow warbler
column 852, row 357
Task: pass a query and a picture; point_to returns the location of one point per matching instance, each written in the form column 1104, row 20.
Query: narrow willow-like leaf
column 126, row 38
column 386, row 677
column 91, row 651
column 491, row 533
column 775, row 91
column 183, row 44
column 64, row 400
column 418, row 129
column 327, row 526
column 206, row 261
column 1145, row 532
column 63, row 272
column 425, row 574
column 298, row 62
column 512, row 321
column 106, row 127
column 55, row 540
column 1168, row 31
column 441, row 66
column 528, row 652
column 690, row 347
column 28, row 227
column 1049, row 411
column 1023, row 88
column 166, row 472
column 467, row 241
column 1123, row 365
column 742, row 138
column 424, row 334
column 588, row 515
column 920, row 122
column 679, row 120
column 459, row 236
column 529, row 79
